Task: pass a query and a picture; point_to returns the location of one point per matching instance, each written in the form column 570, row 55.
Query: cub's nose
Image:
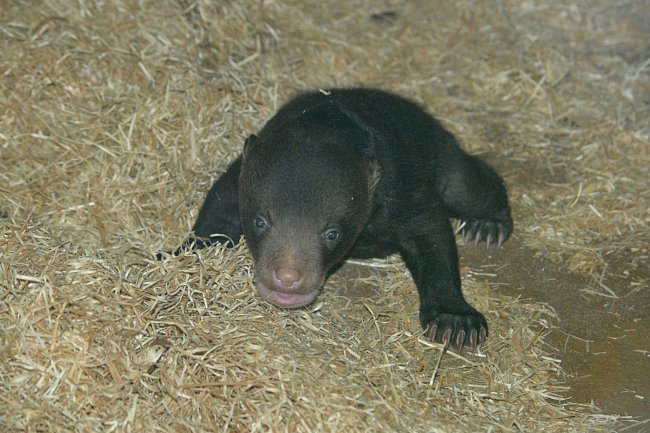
column 287, row 278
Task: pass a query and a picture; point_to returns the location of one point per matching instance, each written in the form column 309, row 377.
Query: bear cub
column 358, row 173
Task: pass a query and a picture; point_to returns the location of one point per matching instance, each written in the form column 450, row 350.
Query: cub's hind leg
column 474, row 193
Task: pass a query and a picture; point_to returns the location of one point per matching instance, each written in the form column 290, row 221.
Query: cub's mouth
column 285, row 299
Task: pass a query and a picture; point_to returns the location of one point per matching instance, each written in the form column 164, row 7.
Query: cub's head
column 305, row 195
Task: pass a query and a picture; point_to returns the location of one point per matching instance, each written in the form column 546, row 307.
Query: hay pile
column 116, row 117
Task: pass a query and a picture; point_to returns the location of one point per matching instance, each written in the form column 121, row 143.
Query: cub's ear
column 249, row 144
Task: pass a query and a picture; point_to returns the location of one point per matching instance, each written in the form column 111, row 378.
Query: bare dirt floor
column 603, row 342
column 115, row 118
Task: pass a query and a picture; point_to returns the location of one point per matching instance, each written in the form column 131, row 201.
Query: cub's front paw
column 458, row 328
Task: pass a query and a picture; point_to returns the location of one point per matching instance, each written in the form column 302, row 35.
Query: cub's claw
column 456, row 329
column 490, row 231
column 195, row 243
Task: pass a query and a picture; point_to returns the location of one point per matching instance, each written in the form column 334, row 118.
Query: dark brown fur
column 358, row 173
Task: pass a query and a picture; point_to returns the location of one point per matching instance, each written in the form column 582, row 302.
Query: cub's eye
column 260, row 223
column 331, row 235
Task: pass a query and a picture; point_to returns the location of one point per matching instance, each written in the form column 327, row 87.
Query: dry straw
column 116, row 117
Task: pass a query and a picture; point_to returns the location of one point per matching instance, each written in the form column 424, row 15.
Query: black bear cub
column 358, row 173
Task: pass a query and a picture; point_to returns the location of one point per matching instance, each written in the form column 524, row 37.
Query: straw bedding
column 116, row 117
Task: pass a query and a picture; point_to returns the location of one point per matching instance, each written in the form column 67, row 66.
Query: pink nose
column 287, row 278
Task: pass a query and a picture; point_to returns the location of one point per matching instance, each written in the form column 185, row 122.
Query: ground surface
column 116, row 116
column 603, row 342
